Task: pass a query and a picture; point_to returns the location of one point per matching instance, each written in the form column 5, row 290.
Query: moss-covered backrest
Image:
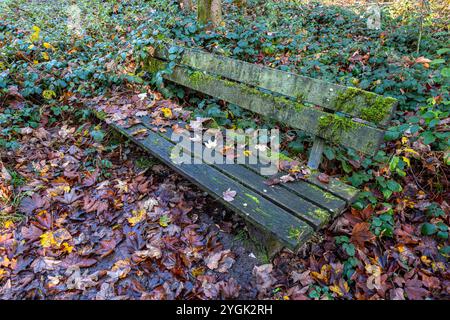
column 337, row 114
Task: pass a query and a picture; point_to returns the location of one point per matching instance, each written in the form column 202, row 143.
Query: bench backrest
column 331, row 113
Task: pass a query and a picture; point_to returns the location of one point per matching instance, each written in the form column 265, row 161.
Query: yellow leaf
column 425, row 260
column 373, row 269
column 35, row 61
column 41, row 212
column 438, row 266
column 45, row 56
column 323, row 275
column 167, row 112
column 197, row 271
column 35, row 35
column 164, row 221
column 5, row 262
column 137, row 217
column 404, row 140
column 139, row 131
column 48, row 46
column 47, row 239
column 406, row 160
column 247, row 153
column 336, row 290
column 8, row 224
column 48, row 94
column 66, row 247
column 411, row 151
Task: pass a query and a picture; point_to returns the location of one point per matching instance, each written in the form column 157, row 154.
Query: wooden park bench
column 285, row 214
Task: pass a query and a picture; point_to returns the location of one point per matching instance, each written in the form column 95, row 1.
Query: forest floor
column 84, row 214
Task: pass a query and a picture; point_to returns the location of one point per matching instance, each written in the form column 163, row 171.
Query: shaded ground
column 84, row 215
column 91, row 220
column 129, row 228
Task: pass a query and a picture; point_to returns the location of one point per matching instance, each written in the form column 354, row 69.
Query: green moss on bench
column 377, row 109
column 332, row 126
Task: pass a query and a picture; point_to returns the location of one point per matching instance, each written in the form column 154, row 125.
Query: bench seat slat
column 261, row 212
column 322, row 197
column 303, row 209
column 355, row 102
column 313, row 213
column 314, row 197
column 358, row 136
column 336, row 187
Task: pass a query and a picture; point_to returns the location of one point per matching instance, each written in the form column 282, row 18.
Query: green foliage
column 348, row 247
column 440, row 229
column 382, row 225
column 97, row 135
column 318, row 292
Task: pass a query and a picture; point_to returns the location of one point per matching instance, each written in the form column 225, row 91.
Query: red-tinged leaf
column 69, row 197
column 414, row 289
column 31, row 233
column 229, row 289
column 324, row 178
column 229, row 195
column 361, row 233
column 431, row 282
column 272, row 181
column 29, row 204
column 397, row 294
column 367, row 212
column 45, row 220
column 90, row 178
column 220, row 261
column 286, row 178
column 74, row 260
column 264, row 278
column 107, row 247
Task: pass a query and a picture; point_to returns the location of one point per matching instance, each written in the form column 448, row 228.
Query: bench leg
column 315, row 157
column 270, row 244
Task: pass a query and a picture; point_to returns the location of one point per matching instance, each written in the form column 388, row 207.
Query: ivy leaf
column 428, row 137
column 97, row 135
column 394, row 186
column 445, row 72
column 428, row 229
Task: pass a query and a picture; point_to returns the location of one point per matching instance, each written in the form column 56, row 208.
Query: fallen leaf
column 229, row 195
column 324, row 178
column 361, row 233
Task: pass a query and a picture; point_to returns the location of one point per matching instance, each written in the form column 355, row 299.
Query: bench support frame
column 315, row 157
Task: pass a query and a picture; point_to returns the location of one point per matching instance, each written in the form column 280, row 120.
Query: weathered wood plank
column 333, row 128
column 305, row 210
column 301, row 189
column 319, row 196
column 355, row 102
column 291, row 231
column 336, row 187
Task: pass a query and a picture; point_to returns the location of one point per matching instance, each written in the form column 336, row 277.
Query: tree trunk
column 240, row 3
column 209, row 11
column 187, row 5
